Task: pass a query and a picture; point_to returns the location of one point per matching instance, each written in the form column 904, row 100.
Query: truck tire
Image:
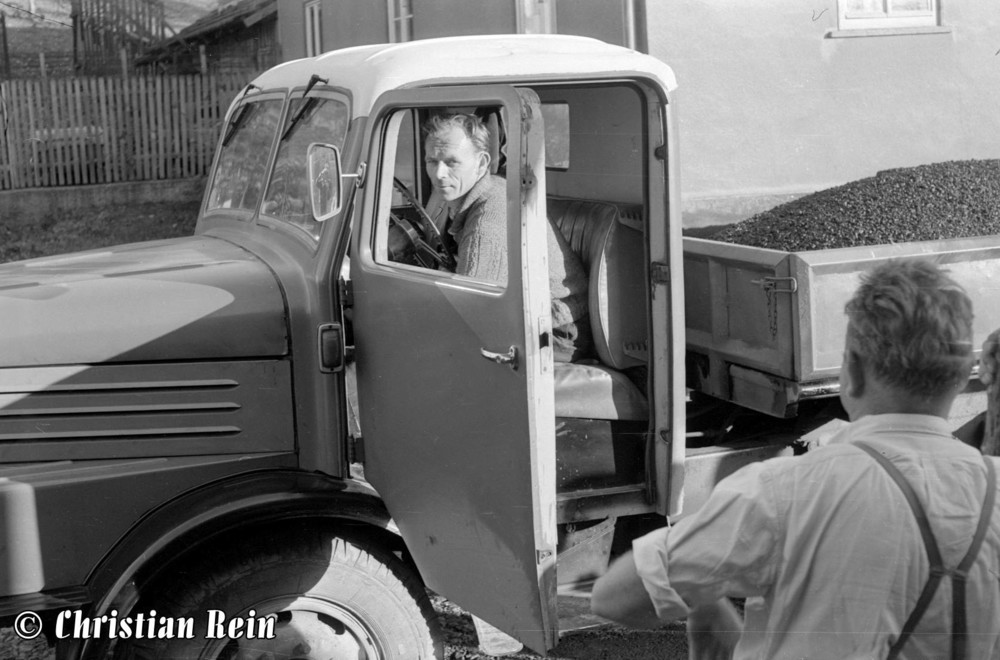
column 330, row 597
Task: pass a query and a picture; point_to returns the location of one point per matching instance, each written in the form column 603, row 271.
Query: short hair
column 912, row 325
column 472, row 125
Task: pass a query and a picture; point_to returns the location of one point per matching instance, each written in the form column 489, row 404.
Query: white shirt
column 827, row 552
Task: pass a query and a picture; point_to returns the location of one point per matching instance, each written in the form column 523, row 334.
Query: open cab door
column 455, row 373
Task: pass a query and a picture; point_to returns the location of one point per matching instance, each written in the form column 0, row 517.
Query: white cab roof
column 368, row 71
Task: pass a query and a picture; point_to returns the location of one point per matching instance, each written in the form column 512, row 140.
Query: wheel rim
column 306, row 628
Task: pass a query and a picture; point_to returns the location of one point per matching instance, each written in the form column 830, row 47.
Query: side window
column 287, row 199
column 442, row 195
column 239, row 176
column 556, row 117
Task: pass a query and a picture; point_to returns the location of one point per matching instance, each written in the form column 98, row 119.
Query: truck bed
column 765, row 328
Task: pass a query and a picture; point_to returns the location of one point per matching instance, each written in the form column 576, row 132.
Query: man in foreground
column 825, row 547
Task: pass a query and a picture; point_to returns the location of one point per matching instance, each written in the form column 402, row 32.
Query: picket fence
column 79, row 131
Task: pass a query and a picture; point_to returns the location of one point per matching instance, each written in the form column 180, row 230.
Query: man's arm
column 713, row 631
column 989, row 361
column 619, row 595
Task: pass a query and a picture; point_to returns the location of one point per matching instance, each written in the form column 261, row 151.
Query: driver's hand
column 989, row 361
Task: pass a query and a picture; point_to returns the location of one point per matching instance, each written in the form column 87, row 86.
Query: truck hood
column 189, row 298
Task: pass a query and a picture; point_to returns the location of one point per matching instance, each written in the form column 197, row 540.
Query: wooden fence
column 76, row 131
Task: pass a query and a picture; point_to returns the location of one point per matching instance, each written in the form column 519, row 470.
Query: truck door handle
column 509, row 358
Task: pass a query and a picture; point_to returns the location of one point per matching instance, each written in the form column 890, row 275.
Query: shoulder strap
column 937, row 568
column 930, row 544
column 960, row 574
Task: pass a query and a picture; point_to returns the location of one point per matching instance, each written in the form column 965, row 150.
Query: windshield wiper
column 307, row 104
column 241, row 116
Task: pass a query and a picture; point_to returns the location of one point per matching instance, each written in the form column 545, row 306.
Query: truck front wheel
column 304, row 596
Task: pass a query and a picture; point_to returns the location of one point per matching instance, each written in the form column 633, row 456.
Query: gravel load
column 954, row 199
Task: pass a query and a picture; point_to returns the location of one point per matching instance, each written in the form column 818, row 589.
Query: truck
column 274, row 437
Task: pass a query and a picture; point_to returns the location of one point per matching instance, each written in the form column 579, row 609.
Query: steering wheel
column 432, row 244
column 407, row 245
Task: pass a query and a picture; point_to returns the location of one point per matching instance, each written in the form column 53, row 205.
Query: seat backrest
column 610, row 246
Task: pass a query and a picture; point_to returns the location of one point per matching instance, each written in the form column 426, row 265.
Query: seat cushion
column 597, row 392
column 612, row 252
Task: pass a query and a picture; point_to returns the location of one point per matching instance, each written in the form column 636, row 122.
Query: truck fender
column 205, row 514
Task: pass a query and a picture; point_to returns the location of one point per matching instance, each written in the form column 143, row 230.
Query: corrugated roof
column 234, row 14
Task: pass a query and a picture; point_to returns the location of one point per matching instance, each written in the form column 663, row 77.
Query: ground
column 95, row 228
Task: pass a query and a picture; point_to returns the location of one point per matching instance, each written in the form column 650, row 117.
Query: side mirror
column 325, row 189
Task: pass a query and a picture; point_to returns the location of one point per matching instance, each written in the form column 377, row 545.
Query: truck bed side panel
column 737, row 306
column 828, row 278
column 782, row 313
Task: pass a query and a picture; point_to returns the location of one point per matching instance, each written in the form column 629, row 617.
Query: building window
column 878, row 14
column 314, row 29
column 536, row 16
column 400, row 20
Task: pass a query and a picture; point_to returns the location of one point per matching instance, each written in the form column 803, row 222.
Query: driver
column 469, row 207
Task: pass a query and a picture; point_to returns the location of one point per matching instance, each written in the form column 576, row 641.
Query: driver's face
column 453, row 163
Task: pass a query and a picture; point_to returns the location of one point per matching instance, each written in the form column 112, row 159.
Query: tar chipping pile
column 956, row 199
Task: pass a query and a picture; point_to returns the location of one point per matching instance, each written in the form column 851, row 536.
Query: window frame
column 390, row 144
column 887, row 18
column 313, row 22
column 536, row 17
column 400, row 20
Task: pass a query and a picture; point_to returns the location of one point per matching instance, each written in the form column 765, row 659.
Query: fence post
column 6, row 49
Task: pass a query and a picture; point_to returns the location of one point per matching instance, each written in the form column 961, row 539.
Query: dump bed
column 765, row 328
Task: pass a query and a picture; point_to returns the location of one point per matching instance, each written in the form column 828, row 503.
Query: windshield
column 239, row 176
column 287, row 199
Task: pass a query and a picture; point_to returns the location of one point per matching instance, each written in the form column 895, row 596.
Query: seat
column 595, row 391
column 610, row 247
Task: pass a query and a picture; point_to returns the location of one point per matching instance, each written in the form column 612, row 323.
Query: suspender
column 938, row 571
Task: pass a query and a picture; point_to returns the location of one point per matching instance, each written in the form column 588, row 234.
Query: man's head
column 909, row 341
column 456, row 153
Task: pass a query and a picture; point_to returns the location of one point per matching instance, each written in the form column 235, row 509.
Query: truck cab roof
column 368, row 71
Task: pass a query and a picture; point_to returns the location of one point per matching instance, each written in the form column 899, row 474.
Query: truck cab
column 342, row 398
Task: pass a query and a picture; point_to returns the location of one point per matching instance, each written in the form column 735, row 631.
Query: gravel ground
column 605, row 643
column 954, row 199
column 14, row 648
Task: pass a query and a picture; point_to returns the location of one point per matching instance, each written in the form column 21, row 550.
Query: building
column 237, row 37
column 777, row 98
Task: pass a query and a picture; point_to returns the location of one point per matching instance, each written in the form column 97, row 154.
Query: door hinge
column 659, row 273
column 346, row 293
column 355, row 449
